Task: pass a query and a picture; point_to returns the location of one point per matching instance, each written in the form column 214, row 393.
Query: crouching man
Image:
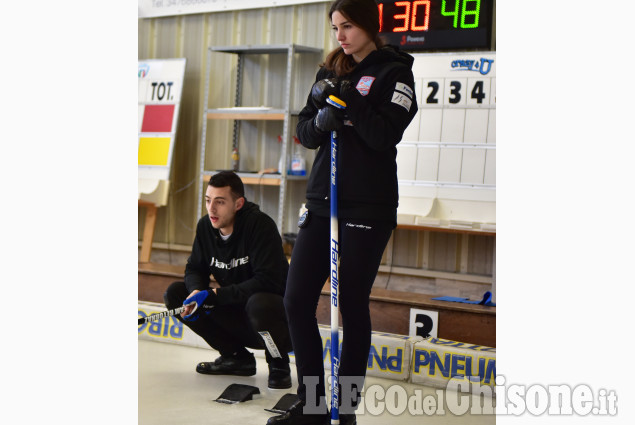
column 240, row 246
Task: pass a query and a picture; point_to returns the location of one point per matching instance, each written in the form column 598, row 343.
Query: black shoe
column 295, row 416
column 279, row 374
column 348, row 419
column 241, row 366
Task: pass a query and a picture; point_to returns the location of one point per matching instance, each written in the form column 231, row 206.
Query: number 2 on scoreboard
column 432, row 96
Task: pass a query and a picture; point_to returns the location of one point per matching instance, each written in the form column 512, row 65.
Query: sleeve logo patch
column 363, row 85
column 404, row 89
column 402, row 100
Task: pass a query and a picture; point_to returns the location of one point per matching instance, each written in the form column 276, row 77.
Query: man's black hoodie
column 251, row 260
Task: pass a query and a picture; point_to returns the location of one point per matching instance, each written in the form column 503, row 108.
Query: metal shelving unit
column 239, row 112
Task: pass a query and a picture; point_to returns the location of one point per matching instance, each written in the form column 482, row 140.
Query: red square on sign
column 157, row 119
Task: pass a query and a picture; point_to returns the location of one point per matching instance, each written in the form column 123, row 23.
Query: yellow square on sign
column 154, row 150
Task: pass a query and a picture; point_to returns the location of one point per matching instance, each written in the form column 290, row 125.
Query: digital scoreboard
column 420, row 25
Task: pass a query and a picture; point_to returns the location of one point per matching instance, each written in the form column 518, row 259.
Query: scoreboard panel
column 421, row 25
column 450, row 146
column 160, row 88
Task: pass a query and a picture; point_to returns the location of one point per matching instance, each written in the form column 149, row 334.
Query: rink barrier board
column 431, row 362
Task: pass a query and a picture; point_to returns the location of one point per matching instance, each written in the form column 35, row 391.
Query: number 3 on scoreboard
column 455, row 91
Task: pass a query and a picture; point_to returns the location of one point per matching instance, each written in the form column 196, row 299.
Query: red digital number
column 426, row 18
column 405, row 16
column 409, row 17
column 380, row 6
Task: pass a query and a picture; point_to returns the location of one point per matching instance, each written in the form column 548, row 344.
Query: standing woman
column 377, row 84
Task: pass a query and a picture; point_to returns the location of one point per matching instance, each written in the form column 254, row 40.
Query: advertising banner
column 436, row 361
column 389, row 355
column 431, row 362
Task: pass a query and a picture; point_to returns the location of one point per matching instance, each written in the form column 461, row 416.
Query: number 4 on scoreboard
column 479, row 90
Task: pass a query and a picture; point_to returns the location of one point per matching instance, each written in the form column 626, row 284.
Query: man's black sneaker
column 296, row 416
column 279, row 374
column 241, row 366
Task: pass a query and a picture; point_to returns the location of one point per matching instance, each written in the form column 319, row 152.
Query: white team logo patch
column 404, row 89
column 271, row 346
column 402, row 100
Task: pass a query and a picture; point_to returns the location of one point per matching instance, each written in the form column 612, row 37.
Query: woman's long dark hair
column 363, row 14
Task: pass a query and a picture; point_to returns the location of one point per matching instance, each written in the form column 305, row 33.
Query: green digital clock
column 420, row 25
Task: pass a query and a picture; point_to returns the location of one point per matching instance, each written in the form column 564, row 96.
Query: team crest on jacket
column 363, row 85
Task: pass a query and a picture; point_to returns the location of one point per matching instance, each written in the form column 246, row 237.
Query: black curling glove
column 329, row 118
column 322, row 90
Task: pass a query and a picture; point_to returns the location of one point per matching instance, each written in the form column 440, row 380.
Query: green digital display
column 421, row 25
